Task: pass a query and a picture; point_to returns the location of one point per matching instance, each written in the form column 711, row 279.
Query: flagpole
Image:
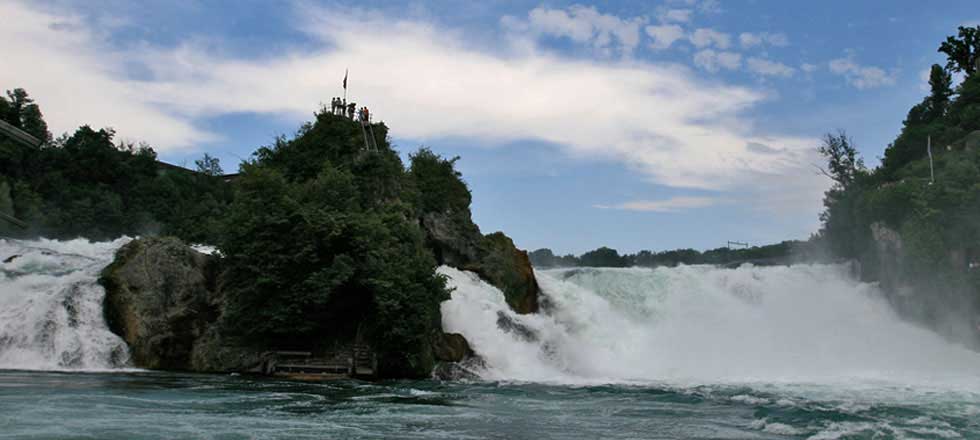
column 346, row 71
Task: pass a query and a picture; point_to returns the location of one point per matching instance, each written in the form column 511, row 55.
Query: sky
column 630, row 124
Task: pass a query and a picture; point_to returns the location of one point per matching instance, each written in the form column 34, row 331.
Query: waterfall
column 702, row 324
column 51, row 306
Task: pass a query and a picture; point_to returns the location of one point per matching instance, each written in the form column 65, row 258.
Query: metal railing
column 19, row 135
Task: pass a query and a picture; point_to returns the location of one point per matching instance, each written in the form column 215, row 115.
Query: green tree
column 209, row 165
column 843, row 162
column 543, row 258
column 20, row 111
column 941, row 88
column 844, row 168
column 441, row 188
column 603, row 257
column 963, row 50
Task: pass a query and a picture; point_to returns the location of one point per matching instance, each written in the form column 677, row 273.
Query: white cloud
column 608, row 34
column 673, row 204
column 666, row 123
column 861, row 77
column 675, row 15
column 705, row 37
column 924, row 78
column 808, row 68
column 702, row 6
column 664, row 36
column 713, row 61
column 710, row 7
column 749, row 40
column 68, row 70
column 764, row 67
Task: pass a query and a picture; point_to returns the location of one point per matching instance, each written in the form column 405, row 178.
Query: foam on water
column 51, row 306
column 704, row 325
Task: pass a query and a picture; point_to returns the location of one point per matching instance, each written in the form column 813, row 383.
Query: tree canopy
column 963, row 50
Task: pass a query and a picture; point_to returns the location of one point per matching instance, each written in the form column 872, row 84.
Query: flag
column 345, row 79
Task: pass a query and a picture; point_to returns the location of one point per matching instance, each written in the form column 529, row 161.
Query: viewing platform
column 356, row 362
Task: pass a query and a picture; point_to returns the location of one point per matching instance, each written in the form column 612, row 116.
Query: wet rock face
column 890, row 251
column 451, row 347
column 160, row 299
column 509, row 269
column 468, row 369
column 456, row 241
column 456, row 360
column 509, row 325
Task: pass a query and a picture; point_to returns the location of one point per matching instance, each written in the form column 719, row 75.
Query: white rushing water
column 51, row 306
column 699, row 324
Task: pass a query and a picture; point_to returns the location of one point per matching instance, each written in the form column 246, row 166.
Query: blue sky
column 636, row 125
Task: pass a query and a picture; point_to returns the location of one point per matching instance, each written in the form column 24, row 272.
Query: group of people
column 341, row 107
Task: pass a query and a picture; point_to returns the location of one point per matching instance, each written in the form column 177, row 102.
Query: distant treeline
column 781, row 253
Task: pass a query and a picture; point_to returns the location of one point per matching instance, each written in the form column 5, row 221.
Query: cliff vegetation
column 912, row 222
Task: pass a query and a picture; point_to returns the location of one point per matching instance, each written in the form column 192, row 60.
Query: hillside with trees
column 917, row 234
column 88, row 185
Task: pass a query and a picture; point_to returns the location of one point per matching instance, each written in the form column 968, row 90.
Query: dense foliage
column 936, row 217
column 441, row 187
column 86, row 185
column 780, row 253
column 322, row 245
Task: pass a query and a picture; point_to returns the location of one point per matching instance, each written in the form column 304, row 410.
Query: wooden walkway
column 357, row 362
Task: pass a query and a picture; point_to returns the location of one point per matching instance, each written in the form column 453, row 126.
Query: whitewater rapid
column 703, row 325
column 51, row 306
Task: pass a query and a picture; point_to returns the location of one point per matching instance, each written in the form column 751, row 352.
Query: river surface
column 135, row 405
column 801, row 352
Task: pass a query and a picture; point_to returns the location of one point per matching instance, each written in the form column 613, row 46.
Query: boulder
column 162, row 299
column 451, row 347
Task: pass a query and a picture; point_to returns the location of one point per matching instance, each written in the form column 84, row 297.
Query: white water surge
column 51, row 306
column 699, row 324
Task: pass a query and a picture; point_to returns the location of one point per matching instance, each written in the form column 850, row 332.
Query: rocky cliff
column 943, row 300
column 456, row 241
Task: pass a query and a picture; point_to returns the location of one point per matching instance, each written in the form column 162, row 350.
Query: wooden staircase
column 364, row 361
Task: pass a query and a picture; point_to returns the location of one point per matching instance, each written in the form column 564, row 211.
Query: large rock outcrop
column 162, row 298
column 165, row 300
column 942, row 301
column 456, row 241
